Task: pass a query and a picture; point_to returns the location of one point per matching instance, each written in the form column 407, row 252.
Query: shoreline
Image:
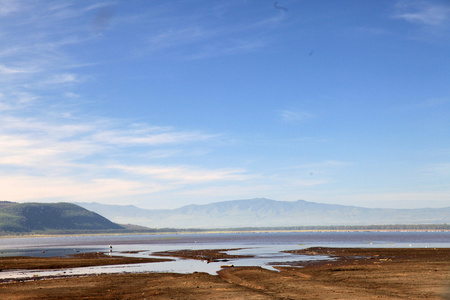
column 220, row 232
column 356, row 273
column 91, row 259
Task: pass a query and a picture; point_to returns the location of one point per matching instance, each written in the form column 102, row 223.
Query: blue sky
column 166, row 103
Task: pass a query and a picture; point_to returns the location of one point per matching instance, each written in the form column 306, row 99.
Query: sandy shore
column 355, row 274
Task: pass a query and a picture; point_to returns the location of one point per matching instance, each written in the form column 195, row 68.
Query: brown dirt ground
column 355, row 274
column 76, row 260
column 204, row 254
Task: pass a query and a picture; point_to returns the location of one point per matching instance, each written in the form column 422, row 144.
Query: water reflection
column 266, row 248
column 263, row 257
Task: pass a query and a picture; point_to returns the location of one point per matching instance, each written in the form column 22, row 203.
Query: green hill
column 50, row 217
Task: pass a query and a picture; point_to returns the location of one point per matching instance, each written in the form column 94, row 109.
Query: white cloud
column 185, row 174
column 46, row 160
column 10, row 6
column 35, row 46
column 146, row 137
column 9, row 70
column 29, row 188
column 203, row 37
column 14, row 101
column 226, row 48
column 71, row 95
column 58, row 154
column 63, row 78
column 49, row 159
column 295, row 116
column 44, row 154
column 27, row 141
column 39, row 129
column 429, row 13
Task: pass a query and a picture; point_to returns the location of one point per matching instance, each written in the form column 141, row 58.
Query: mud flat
column 356, row 273
column 73, row 261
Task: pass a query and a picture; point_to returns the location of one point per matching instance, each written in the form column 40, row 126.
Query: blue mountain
column 262, row 212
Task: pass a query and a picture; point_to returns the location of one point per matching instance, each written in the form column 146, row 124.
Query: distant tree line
column 134, row 229
column 359, row 227
column 397, row 227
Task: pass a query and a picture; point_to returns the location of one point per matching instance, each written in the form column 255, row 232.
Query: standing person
column 110, row 250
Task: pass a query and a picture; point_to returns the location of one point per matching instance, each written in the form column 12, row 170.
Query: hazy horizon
column 165, row 104
column 231, row 200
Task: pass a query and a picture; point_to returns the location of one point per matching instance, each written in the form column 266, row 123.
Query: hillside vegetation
column 47, row 217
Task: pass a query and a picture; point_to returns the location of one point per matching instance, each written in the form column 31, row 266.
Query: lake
column 266, row 247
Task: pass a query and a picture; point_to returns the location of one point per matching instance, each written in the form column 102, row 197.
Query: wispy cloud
column 31, row 138
column 38, row 188
column 429, row 21
column 49, row 159
column 8, row 70
column 10, row 6
column 203, row 37
column 49, row 151
column 225, row 48
column 295, row 116
column 441, row 169
column 171, row 37
column 36, row 44
column 149, row 136
column 13, row 100
column 34, row 47
column 431, row 13
column 185, row 174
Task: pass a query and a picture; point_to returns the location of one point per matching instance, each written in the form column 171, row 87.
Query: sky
column 161, row 104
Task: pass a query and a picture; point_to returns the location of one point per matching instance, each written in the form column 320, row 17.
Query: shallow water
column 265, row 247
column 263, row 256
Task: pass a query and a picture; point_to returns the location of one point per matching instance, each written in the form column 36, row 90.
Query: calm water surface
column 265, row 247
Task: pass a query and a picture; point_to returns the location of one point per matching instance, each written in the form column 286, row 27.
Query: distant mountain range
column 50, row 217
column 266, row 213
